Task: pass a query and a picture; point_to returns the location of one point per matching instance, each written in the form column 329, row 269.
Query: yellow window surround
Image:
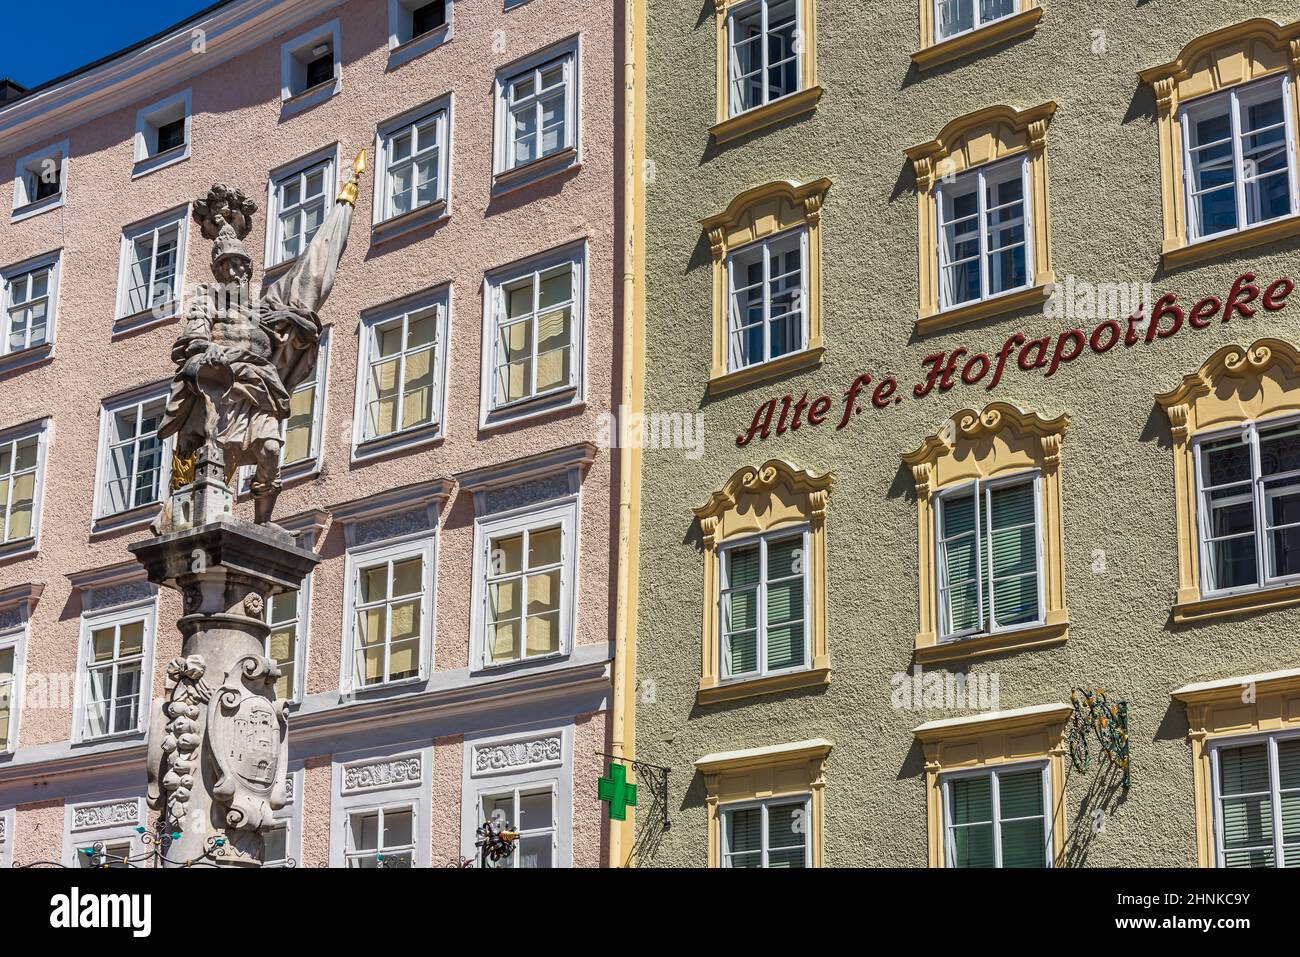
column 752, row 216
column 757, row 773
column 1235, row 385
column 976, row 139
column 1216, row 710
column 1211, row 63
column 990, row 741
column 1001, row 440
column 728, row 127
column 752, row 502
column 933, row 52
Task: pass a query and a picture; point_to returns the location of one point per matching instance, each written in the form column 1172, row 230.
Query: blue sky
column 87, row 30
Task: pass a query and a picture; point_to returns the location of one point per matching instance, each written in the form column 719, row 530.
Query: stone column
column 218, row 741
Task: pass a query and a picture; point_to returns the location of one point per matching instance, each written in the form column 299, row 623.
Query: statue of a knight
column 239, row 359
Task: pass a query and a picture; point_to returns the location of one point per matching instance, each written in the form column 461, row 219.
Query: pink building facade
column 452, row 653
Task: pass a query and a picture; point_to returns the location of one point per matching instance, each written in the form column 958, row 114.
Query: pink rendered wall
column 237, row 137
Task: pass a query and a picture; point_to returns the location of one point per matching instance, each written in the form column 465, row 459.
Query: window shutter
column 1246, row 805
column 971, row 826
column 1020, row 800
column 1013, row 552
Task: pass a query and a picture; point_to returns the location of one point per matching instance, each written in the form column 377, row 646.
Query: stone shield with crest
column 249, row 740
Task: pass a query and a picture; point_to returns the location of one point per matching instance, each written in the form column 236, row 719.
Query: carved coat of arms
column 249, row 741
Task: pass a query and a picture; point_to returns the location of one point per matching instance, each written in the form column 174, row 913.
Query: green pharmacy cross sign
column 616, row 792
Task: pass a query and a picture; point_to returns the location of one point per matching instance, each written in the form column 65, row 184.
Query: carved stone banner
column 545, row 751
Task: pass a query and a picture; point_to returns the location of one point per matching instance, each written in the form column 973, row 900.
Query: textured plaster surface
column 1117, row 470
column 238, row 137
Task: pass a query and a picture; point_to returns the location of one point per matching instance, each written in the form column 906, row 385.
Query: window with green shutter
column 1257, row 803
column 989, row 557
column 767, row 834
column 762, row 605
column 998, row 818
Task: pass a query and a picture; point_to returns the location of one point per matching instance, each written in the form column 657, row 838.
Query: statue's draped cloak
column 257, row 399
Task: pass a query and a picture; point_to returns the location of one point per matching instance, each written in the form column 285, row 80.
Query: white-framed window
column 1256, row 801
column 765, row 52
column 151, row 274
column 764, row 604
column 302, row 429
column 108, row 824
column 22, row 480
column 767, row 295
column 282, row 843
column 40, row 180
column 275, row 844
column 530, row 809
column 132, row 458
column 116, row 663
column 770, row 833
column 1248, row 519
column 401, row 379
column 413, row 161
column 953, row 17
column 11, row 677
column 990, row 556
column 524, row 584
column 286, row 614
column 534, row 334
column 390, row 613
column 984, row 233
column 162, row 133
column 8, row 817
column 538, row 109
column 299, row 198
column 311, row 68
column 417, row 26
column 382, row 836
column 998, row 817
column 1239, row 164
column 30, row 301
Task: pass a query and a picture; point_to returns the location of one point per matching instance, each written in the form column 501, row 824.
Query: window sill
column 24, row 358
column 536, row 170
column 1240, row 603
column 394, row 442
column 1001, row 642
column 974, row 311
column 777, row 111
column 558, row 401
column 1018, row 24
column 19, row 548
column 139, row 321
column 429, row 215
column 292, row 105
column 151, row 164
column 1175, row 257
column 809, row 358
column 132, row 518
column 768, row 684
column 409, row 50
column 36, row 208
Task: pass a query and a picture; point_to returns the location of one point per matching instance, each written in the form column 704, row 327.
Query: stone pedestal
column 218, row 748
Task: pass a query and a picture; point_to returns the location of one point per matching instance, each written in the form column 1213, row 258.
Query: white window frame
column 328, row 159
column 515, row 790
column 125, row 832
column 765, row 804
column 52, row 262
column 1248, row 432
column 351, row 853
column 363, row 448
column 761, row 598
column 394, row 792
column 32, row 542
column 402, row 46
column 982, row 517
column 161, row 312
column 994, row 771
column 144, row 611
column 303, row 619
column 423, row 545
column 564, row 513
column 295, row 95
column 15, row 638
column 290, row 818
column 744, row 9
column 148, row 120
column 764, row 247
column 1211, row 103
column 8, row 822
column 492, row 412
column 981, row 174
column 975, row 19
column 1241, row 741
column 26, row 204
column 440, row 111
column 506, row 171
column 108, row 409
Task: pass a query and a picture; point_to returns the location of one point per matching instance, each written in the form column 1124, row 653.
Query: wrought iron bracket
column 654, row 774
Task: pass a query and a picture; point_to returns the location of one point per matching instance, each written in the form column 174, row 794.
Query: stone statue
column 239, row 359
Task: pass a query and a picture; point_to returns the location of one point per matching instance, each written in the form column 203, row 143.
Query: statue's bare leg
column 266, row 481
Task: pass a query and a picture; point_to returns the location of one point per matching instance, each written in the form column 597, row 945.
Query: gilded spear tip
column 359, row 165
